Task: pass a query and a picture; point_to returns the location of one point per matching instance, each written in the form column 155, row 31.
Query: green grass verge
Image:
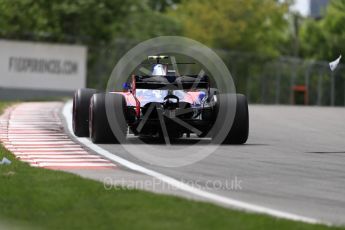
column 4, row 105
column 50, row 199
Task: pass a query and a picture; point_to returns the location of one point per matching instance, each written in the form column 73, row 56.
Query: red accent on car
column 134, row 85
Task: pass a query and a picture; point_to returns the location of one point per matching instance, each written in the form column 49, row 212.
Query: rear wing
column 171, row 82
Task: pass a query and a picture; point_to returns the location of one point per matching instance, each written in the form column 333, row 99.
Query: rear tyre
column 81, row 103
column 239, row 131
column 99, row 126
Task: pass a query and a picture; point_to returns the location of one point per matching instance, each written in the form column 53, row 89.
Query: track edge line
column 66, row 113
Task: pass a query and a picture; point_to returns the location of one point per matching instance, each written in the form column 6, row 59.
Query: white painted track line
column 182, row 186
column 74, row 164
column 49, row 153
column 51, row 150
column 65, row 156
column 48, row 160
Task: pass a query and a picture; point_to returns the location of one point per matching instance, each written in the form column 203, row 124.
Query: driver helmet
column 159, row 70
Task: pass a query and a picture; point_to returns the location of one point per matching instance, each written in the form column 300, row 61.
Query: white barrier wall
column 31, row 65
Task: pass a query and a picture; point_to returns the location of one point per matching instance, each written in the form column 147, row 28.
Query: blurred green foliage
column 107, row 27
column 249, row 35
column 82, row 21
column 324, row 39
column 250, row 26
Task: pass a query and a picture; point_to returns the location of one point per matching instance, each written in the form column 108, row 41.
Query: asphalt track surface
column 294, row 161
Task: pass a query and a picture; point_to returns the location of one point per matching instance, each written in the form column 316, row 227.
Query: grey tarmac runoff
column 293, row 162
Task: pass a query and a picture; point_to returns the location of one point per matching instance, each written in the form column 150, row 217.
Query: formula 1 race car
column 159, row 105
